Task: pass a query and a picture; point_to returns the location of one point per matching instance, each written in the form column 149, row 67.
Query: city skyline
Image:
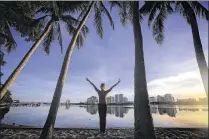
column 170, row 98
column 168, row 67
column 118, row 98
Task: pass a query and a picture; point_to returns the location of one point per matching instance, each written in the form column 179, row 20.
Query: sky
column 170, row 67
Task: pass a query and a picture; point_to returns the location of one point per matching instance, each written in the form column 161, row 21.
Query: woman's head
column 102, row 86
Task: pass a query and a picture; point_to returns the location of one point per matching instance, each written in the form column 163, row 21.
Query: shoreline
column 93, row 133
column 28, row 103
column 16, row 126
column 6, row 126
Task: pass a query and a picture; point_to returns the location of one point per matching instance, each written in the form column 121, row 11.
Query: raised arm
column 92, row 85
column 107, row 91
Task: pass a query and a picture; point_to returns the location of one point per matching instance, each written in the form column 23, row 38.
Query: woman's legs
column 102, row 116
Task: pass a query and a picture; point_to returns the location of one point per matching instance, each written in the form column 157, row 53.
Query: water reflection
column 92, row 109
column 79, row 116
column 189, row 109
column 120, row 111
column 169, row 110
column 3, row 112
column 67, row 106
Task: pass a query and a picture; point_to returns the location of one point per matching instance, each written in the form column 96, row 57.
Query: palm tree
column 189, row 10
column 49, row 33
column 11, row 16
column 99, row 9
column 143, row 119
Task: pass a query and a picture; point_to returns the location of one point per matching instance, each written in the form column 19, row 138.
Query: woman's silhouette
column 102, row 103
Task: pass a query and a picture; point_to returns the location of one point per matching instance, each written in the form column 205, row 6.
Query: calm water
column 117, row 116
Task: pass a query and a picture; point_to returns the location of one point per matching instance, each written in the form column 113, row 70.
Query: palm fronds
column 98, row 21
column 106, row 12
column 199, row 9
column 48, row 40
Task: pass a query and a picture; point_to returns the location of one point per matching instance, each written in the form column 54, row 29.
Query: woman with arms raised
column 102, row 102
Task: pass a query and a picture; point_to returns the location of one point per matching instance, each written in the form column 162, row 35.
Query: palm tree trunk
column 16, row 72
column 199, row 53
column 143, row 119
column 49, row 124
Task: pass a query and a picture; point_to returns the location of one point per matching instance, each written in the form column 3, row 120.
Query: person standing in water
column 102, row 103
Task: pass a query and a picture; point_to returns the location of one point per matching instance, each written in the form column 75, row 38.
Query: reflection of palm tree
column 3, row 111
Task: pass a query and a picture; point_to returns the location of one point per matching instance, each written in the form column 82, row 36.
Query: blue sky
column 170, row 67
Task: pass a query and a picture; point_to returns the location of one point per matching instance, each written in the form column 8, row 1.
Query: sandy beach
column 113, row 133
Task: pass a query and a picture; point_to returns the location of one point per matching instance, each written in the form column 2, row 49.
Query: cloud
column 182, row 85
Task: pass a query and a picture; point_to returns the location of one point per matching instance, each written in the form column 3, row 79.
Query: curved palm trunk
column 49, row 124
column 143, row 119
column 199, row 53
column 16, row 72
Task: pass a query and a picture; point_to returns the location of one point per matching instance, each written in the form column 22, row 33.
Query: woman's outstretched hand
column 118, row 81
column 87, row 79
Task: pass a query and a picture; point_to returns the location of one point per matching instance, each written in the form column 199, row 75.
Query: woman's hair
column 102, row 86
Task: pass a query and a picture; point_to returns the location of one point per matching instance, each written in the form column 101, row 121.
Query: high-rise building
column 120, row 98
column 108, row 99
column 92, row 100
column 116, row 98
column 125, row 100
column 168, row 98
column 160, row 99
column 112, row 99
